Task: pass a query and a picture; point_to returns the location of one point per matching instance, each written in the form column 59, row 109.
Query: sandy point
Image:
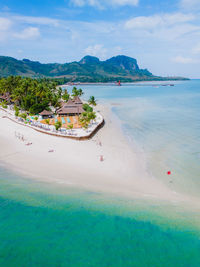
column 105, row 163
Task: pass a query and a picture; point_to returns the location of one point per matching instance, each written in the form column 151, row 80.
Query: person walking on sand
column 101, row 158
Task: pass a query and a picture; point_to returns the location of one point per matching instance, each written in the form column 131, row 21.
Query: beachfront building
column 77, row 101
column 45, row 114
column 71, row 108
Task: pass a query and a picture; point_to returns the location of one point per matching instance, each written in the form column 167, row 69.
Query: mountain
column 88, row 69
column 124, row 62
column 89, row 60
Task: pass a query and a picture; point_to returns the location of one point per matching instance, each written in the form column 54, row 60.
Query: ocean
column 47, row 225
column 163, row 124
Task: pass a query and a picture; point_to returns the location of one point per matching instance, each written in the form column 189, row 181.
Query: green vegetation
column 30, row 94
column 16, row 109
column 70, row 126
column 65, row 95
column 47, row 121
column 33, row 96
column 91, row 116
column 58, row 125
column 88, row 69
column 77, row 92
column 23, row 116
column 85, row 118
column 87, row 108
column 4, row 105
column 92, row 101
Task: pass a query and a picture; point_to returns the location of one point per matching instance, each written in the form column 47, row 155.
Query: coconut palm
column 80, row 92
column 91, row 116
column 77, row 92
column 92, row 101
column 83, row 119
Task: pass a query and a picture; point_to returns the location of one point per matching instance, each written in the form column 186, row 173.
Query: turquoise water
column 47, row 225
column 163, row 124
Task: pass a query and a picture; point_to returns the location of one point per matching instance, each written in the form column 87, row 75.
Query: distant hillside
column 88, row 69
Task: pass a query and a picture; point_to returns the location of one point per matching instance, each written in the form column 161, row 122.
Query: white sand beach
column 77, row 163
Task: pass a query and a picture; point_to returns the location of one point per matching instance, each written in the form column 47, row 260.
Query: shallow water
column 163, row 123
column 41, row 225
column 47, row 225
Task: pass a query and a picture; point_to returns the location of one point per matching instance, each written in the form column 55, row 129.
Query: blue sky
column 164, row 36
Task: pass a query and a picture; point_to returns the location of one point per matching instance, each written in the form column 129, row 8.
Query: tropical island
column 44, row 106
column 88, row 70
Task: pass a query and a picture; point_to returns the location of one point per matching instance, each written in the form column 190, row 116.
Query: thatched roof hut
column 77, row 100
column 46, row 114
column 70, row 108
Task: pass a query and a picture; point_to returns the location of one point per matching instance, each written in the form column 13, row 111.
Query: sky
column 163, row 35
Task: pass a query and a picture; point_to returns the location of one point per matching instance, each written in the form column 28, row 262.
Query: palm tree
column 83, row 119
column 74, row 92
column 65, row 95
column 77, row 92
column 92, row 101
column 91, row 116
column 80, row 92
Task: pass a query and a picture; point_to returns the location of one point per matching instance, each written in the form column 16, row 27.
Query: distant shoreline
column 168, row 83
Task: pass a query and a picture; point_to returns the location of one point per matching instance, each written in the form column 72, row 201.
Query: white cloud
column 157, row 41
column 96, row 50
column 124, row 2
column 103, row 3
column 37, row 20
column 79, row 3
column 162, row 20
column 184, row 60
column 169, row 27
column 190, row 4
column 93, row 3
column 28, row 34
column 5, row 24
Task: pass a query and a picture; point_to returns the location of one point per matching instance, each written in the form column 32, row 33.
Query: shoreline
column 79, row 135
column 137, row 82
column 77, row 164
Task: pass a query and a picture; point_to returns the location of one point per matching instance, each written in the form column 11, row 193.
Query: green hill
column 88, row 69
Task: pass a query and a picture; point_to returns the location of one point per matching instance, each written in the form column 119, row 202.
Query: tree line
column 30, row 94
column 35, row 95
